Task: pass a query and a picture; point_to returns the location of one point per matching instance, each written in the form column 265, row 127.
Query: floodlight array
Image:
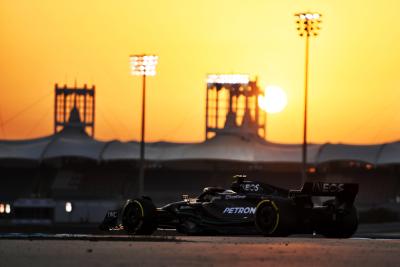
column 307, row 23
column 68, row 207
column 143, row 65
column 5, row 208
column 228, row 79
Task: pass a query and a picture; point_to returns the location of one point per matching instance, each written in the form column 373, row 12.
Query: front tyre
column 139, row 217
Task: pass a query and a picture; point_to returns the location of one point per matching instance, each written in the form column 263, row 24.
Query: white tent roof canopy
column 74, row 142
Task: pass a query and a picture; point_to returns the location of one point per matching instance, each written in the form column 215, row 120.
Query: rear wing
column 344, row 192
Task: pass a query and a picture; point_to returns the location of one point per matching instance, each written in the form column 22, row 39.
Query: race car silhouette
column 247, row 208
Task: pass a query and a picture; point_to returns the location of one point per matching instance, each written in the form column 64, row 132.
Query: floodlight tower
column 80, row 98
column 307, row 25
column 232, row 106
column 143, row 65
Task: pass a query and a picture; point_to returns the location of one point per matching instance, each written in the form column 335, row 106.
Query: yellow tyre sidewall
column 275, row 207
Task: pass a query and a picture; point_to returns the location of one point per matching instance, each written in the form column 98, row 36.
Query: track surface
column 199, row 251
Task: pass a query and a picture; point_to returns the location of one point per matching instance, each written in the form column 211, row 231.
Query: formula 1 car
column 246, row 208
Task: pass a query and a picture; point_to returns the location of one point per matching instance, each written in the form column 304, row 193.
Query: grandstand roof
column 72, row 141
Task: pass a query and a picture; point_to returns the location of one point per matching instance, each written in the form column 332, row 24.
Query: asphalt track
column 166, row 250
column 372, row 245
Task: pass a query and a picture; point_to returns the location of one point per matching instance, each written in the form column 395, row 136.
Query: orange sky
column 354, row 64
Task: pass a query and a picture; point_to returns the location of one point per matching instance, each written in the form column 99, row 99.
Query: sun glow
column 274, row 100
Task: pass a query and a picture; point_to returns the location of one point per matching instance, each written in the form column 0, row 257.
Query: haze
column 354, row 64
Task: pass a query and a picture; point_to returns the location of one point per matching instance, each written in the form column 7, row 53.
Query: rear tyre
column 344, row 225
column 267, row 217
column 139, row 217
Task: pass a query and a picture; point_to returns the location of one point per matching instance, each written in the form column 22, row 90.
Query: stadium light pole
column 143, row 65
column 307, row 25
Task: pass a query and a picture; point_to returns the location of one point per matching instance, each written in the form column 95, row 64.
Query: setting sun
column 274, row 100
column 79, row 42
